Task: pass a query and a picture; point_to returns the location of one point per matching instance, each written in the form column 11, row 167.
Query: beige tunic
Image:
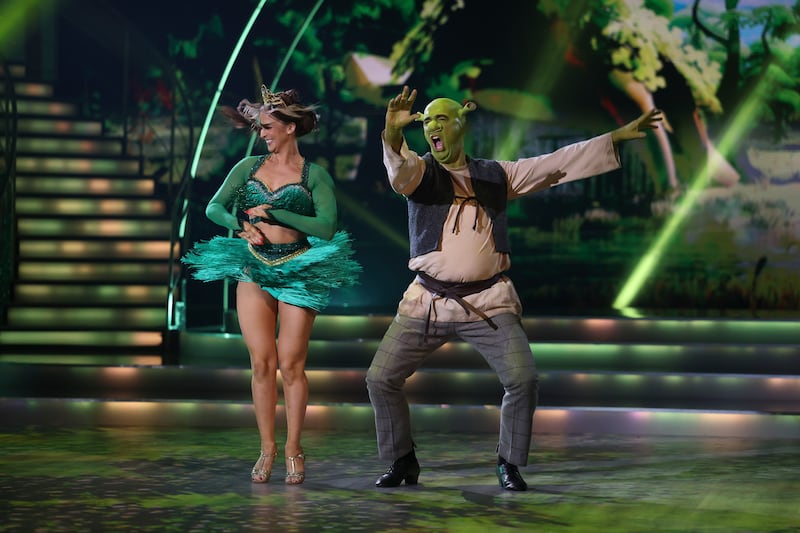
column 469, row 254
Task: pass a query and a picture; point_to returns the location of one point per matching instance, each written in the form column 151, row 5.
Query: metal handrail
column 8, row 238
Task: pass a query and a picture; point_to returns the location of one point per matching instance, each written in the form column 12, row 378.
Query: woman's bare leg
column 293, row 338
column 258, row 313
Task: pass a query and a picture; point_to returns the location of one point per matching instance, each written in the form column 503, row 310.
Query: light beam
column 741, row 123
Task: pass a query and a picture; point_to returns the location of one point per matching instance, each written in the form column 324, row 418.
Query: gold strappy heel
column 263, row 468
column 293, row 477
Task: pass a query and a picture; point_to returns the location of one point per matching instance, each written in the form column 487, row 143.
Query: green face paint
column 444, row 130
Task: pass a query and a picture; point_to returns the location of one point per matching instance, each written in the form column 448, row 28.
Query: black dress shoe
column 404, row 469
column 509, row 477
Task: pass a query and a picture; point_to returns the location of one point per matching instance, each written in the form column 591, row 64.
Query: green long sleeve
column 219, row 207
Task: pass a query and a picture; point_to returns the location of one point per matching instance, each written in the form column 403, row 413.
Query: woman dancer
column 287, row 257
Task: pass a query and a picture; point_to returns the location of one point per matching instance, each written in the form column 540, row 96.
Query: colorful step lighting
column 87, row 318
column 89, row 294
column 29, row 89
column 93, row 228
column 80, row 165
column 98, row 249
column 84, row 338
column 85, row 186
column 53, row 271
column 45, row 107
column 91, row 206
column 68, row 146
column 44, row 126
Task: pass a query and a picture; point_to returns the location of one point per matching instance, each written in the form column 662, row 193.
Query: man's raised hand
column 398, row 113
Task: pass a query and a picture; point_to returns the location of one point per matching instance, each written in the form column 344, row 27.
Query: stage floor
column 189, row 479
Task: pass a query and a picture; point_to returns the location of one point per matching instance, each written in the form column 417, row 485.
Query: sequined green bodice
column 294, row 197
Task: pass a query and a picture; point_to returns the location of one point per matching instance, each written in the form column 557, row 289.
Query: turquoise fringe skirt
column 300, row 273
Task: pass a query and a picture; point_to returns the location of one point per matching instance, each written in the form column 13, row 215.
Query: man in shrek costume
column 458, row 231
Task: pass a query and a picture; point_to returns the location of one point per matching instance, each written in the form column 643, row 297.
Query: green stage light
column 12, row 20
column 374, row 221
column 741, row 123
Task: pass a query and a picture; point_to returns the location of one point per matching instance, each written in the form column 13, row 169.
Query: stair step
column 209, row 349
column 594, row 330
column 82, row 271
column 88, row 347
column 106, row 359
column 45, row 107
column 90, row 206
column 59, row 412
column 65, row 127
column 82, row 227
column 32, row 89
column 59, row 145
column 633, row 390
column 83, row 249
column 90, row 294
column 14, row 70
column 85, row 318
column 78, row 165
column 86, row 338
column 61, row 186
column 678, row 331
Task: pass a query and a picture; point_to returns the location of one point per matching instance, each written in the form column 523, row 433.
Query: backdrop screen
column 702, row 217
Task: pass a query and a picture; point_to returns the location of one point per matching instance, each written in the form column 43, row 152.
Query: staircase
column 711, row 378
column 93, row 243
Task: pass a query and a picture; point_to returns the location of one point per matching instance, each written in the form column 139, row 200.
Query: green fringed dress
column 301, row 273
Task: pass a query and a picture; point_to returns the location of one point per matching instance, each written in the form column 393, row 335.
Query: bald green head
column 444, row 123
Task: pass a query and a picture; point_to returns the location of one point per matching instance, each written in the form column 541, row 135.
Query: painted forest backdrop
column 701, row 220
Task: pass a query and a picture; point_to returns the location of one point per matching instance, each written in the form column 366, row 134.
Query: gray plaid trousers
column 401, row 352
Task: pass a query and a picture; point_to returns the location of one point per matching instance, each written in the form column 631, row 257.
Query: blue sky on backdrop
column 748, row 34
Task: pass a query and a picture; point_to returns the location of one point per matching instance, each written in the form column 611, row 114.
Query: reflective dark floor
column 154, row 479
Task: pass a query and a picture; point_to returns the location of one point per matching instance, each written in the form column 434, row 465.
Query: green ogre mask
column 444, row 123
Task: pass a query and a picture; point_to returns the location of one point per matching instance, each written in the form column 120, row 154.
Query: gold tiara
column 270, row 98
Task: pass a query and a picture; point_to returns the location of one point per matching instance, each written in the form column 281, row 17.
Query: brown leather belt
column 456, row 291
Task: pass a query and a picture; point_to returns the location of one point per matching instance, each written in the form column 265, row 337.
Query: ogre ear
column 469, row 107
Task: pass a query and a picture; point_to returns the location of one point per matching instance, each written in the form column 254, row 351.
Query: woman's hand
column 261, row 211
column 251, row 234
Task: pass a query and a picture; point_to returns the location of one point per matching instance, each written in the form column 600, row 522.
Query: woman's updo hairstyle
column 285, row 106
